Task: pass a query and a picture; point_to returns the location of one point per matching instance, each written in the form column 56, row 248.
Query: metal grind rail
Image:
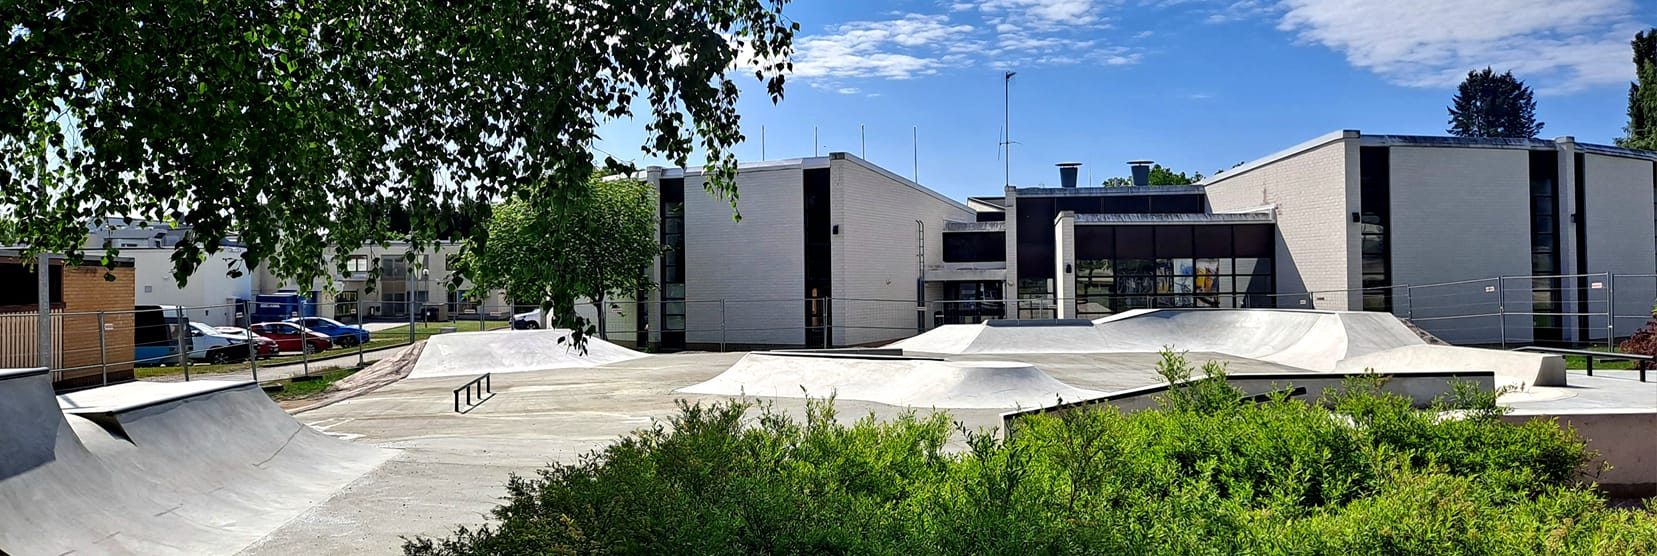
column 479, row 386
column 1592, row 355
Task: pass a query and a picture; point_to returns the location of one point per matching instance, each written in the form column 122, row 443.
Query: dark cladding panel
column 975, row 247
column 1254, row 240
column 1173, row 241
column 1177, row 204
column 1095, row 242
column 1035, row 238
column 1212, row 241
column 1135, row 242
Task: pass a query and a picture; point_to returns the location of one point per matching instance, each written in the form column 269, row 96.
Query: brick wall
column 1313, row 187
column 86, row 292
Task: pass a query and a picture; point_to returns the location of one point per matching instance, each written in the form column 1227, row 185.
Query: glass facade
column 1374, row 219
column 818, row 253
column 1121, row 267
column 673, row 263
column 1544, row 247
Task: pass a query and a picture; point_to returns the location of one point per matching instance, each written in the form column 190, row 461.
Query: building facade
column 85, row 348
column 1360, row 216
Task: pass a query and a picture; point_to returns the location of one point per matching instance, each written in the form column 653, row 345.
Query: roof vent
column 1067, row 173
column 1141, row 172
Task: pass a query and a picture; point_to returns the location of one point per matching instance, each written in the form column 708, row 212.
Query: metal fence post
column 183, row 341
column 410, row 308
column 721, row 325
column 304, row 346
column 103, row 349
column 1501, row 307
column 252, row 342
column 1610, row 312
column 363, row 326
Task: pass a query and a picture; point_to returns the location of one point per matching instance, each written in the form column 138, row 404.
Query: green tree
column 1491, row 105
column 292, row 125
column 594, row 245
column 1159, row 176
column 1641, row 131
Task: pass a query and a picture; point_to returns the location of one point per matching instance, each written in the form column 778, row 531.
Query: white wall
column 1462, row 214
column 209, row 292
column 1313, row 187
column 757, row 266
column 874, row 254
column 1619, row 206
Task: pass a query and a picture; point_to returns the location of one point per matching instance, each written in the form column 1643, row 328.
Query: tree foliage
column 591, row 246
column 1643, row 342
column 291, row 125
column 1159, row 176
column 1641, row 131
column 1204, row 474
column 1490, row 105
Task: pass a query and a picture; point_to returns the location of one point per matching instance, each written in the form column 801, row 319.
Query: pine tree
column 1491, row 105
column 1641, row 131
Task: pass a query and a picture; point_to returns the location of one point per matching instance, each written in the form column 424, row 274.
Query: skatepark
column 215, row 467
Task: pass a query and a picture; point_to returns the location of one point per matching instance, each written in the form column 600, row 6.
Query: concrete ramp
column 512, row 351
column 1312, row 340
column 1512, row 368
column 204, row 467
column 895, row 381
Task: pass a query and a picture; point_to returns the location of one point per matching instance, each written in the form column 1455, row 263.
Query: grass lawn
column 427, row 329
column 295, row 390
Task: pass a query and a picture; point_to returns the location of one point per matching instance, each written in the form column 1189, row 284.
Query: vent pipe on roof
column 1141, row 171
column 1067, row 173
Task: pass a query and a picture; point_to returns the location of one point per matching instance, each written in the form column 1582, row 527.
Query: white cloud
column 1554, row 45
column 1012, row 33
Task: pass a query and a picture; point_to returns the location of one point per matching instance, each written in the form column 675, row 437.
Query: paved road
column 285, row 371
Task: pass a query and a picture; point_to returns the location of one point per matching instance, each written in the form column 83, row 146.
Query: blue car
column 342, row 335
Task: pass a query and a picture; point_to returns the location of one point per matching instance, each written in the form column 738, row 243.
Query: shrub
column 1643, row 342
column 1204, row 474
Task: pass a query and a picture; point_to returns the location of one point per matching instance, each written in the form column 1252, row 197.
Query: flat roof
column 1109, row 191
column 1205, row 218
column 814, row 162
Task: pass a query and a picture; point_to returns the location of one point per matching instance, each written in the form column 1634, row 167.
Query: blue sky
column 1198, row 85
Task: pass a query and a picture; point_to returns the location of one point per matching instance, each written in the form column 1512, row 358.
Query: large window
column 1548, row 325
column 1139, row 267
column 673, row 262
column 1375, row 216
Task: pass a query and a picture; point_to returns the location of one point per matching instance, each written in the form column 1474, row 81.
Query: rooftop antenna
column 915, row 154
column 813, row 141
column 1006, row 127
column 762, row 142
column 863, row 136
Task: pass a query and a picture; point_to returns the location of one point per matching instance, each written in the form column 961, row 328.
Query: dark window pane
column 1133, row 242
column 1173, row 241
column 1212, row 241
column 975, row 247
column 1254, row 240
column 1095, row 242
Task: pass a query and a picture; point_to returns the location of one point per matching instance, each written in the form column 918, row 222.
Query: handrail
column 482, row 385
column 1592, row 355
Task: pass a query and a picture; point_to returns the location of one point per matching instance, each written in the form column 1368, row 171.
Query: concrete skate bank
column 205, row 467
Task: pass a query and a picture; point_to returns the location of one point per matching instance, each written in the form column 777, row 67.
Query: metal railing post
column 722, row 325
column 183, row 340
column 1610, row 312
column 1409, row 302
column 103, row 349
column 411, row 312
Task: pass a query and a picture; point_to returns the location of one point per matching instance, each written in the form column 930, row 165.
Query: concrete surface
column 898, row 382
column 512, row 351
column 1310, row 340
column 148, row 468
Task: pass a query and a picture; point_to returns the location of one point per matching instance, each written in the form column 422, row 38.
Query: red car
column 287, row 336
column 266, row 346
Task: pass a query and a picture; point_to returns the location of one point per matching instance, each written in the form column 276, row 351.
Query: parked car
column 155, row 338
column 342, row 335
column 287, row 336
column 527, row 321
column 208, row 344
column 266, row 346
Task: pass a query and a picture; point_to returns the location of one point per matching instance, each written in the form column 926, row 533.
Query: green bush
column 1204, row 474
